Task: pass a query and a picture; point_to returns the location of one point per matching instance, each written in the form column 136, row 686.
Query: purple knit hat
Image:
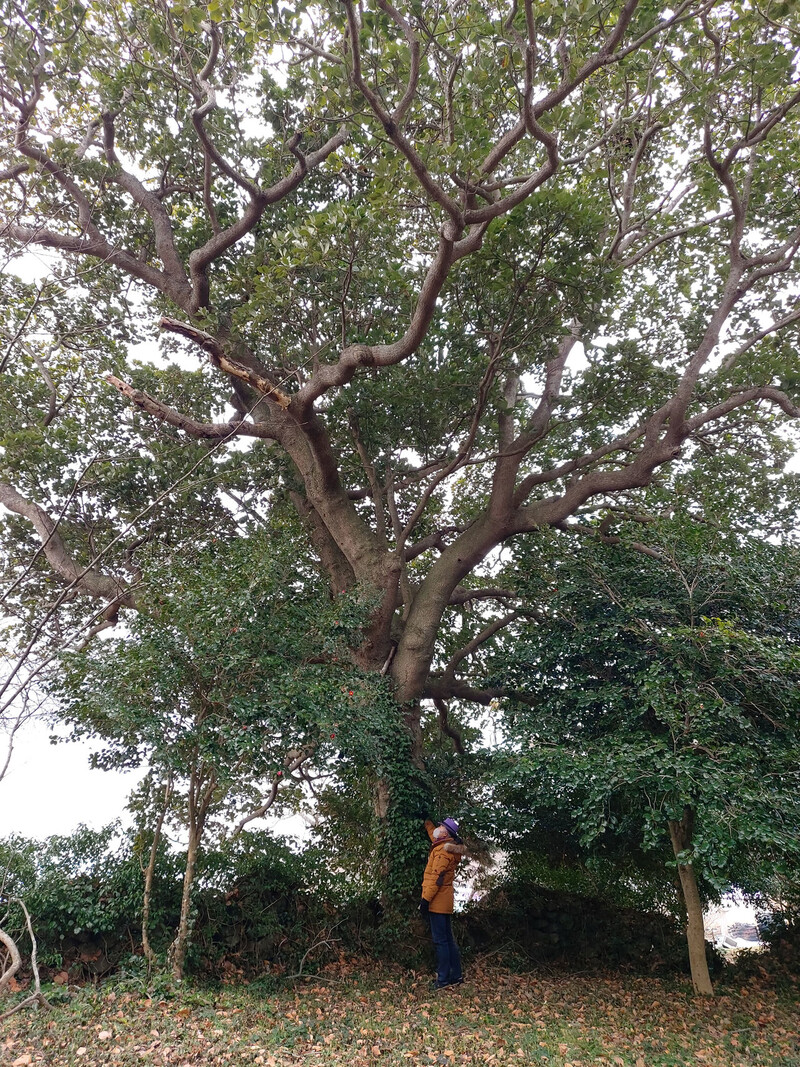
column 451, row 825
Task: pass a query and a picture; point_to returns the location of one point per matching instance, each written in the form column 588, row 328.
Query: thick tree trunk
column 681, row 836
column 413, row 722
column 415, row 651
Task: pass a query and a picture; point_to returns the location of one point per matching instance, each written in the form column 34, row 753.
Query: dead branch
column 215, row 350
column 37, row 997
column 207, row 430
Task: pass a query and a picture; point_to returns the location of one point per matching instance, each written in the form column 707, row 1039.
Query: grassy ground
column 357, row 1016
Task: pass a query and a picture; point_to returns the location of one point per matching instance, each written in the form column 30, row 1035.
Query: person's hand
column 424, row 907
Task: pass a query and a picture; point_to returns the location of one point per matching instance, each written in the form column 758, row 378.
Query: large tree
column 455, row 273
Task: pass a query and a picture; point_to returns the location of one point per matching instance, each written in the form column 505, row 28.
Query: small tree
column 667, row 706
column 218, row 690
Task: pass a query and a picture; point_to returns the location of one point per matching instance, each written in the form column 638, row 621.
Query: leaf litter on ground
column 359, row 1015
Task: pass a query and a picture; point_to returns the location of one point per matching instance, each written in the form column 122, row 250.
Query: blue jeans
column 448, row 959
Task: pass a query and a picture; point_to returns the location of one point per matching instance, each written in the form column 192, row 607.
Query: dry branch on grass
column 14, row 962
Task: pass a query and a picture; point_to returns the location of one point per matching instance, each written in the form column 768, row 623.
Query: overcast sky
column 50, row 789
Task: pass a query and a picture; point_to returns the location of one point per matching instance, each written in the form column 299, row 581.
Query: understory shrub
column 82, row 890
column 257, row 905
column 261, row 908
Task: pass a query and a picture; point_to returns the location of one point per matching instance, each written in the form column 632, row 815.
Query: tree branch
column 747, row 396
column 460, row 595
column 598, row 534
column 434, row 540
column 446, row 728
column 479, row 639
column 292, row 763
column 150, row 202
column 268, row 389
column 392, row 125
column 436, row 689
column 260, row 199
column 15, row 960
column 774, row 327
column 207, row 430
column 37, row 997
column 88, row 579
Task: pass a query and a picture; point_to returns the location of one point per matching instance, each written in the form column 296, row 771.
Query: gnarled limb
column 452, row 247
column 392, row 122
column 149, row 202
column 14, row 961
column 88, row 579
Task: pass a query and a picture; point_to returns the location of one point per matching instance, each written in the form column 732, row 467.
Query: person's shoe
column 456, row 981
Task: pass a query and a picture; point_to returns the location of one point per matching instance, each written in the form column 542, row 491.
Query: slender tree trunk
column 681, row 836
column 149, row 874
column 181, row 942
column 201, row 793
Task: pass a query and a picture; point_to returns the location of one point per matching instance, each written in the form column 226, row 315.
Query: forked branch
column 37, row 997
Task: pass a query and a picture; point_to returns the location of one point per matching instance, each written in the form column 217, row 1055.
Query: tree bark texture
column 181, row 943
column 202, row 785
column 680, row 833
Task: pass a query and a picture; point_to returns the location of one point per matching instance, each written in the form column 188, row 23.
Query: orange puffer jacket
column 437, row 881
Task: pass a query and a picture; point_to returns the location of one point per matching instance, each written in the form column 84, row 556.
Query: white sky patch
column 34, row 265
column 150, row 352
column 51, row 789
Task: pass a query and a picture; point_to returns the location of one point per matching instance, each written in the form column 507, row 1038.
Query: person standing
column 444, row 857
